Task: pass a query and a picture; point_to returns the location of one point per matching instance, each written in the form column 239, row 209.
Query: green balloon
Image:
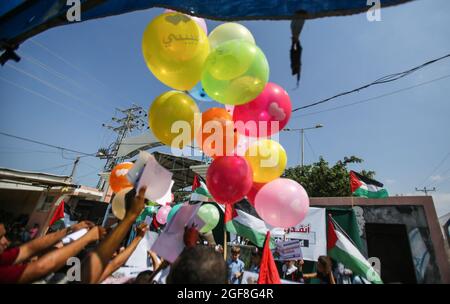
column 210, row 215
column 235, row 73
column 148, row 211
column 173, row 211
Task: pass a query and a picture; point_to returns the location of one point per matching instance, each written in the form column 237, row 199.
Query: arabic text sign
column 311, row 234
column 288, row 250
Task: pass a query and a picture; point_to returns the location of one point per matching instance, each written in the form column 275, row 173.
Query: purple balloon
column 282, row 203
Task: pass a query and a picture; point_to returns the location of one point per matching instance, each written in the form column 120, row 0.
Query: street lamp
column 302, row 133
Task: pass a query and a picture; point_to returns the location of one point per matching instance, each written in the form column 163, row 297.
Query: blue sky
column 97, row 66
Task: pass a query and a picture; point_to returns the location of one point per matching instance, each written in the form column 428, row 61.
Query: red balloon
column 229, row 179
column 253, row 191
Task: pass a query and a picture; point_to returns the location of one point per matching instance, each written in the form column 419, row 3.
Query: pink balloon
column 161, row 215
column 282, row 203
column 200, row 21
column 229, row 178
column 271, row 107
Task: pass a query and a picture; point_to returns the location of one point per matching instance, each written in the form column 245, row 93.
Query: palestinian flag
column 200, row 191
column 341, row 249
column 57, row 215
column 362, row 186
column 246, row 225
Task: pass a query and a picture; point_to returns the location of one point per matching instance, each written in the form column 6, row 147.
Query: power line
column 426, row 190
column 445, row 178
column 382, row 80
column 45, row 144
column 374, row 98
column 64, row 77
column 310, row 146
column 436, row 168
column 87, row 174
column 78, row 69
column 55, row 167
column 17, row 150
column 54, row 87
column 50, row 70
column 48, row 99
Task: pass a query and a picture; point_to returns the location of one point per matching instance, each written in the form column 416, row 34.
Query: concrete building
column 403, row 232
column 36, row 195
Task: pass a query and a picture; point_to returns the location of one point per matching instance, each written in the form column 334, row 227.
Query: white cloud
column 436, row 178
column 442, row 203
column 390, row 181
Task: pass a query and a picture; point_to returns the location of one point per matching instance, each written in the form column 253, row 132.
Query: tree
column 321, row 180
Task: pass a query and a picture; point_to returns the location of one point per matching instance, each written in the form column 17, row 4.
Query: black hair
column 198, row 265
column 143, row 277
column 325, row 261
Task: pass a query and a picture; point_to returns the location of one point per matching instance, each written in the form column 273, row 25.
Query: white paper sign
column 135, row 172
column 311, row 233
column 157, row 179
column 167, row 198
column 287, row 250
column 170, row 243
column 74, row 236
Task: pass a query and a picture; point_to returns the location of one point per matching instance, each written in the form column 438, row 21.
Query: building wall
column 419, row 216
column 18, row 202
column 421, row 245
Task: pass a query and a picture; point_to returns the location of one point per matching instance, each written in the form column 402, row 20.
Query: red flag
column 355, row 183
column 59, row 214
column 331, row 237
column 196, row 183
column 268, row 272
column 230, row 213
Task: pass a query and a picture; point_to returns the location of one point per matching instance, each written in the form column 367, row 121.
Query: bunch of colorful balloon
column 229, row 68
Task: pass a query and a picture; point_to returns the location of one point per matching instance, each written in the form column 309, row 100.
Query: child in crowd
column 235, row 266
column 324, row 271
column 256, row 260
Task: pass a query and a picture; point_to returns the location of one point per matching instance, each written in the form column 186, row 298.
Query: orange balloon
column 118, row 179
column 217, row 136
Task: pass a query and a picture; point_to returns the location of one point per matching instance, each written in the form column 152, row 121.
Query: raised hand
column 97, row 233
column 141, row 230
column 138, row 203
column 81, row 225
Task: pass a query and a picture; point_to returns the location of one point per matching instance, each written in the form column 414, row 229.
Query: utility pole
column 425, row 190
column 133, row 118
column 302, row 134
column 302, row 139
column 75, row 164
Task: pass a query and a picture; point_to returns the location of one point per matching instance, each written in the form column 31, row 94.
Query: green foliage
column 321, row 180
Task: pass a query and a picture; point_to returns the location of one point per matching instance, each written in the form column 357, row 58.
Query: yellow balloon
column 171, row 118
column 268, row 160
column 174, row 47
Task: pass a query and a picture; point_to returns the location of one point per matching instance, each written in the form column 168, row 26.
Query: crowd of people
column 101, row 252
